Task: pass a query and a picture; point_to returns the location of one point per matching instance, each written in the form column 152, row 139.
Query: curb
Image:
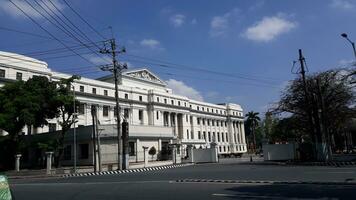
column 332, row 164
column 125, row 171
column 263, row 182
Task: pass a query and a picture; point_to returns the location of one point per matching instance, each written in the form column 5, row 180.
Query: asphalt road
column 162, row 184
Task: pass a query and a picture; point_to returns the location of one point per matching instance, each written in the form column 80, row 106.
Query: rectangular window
column 187, row 134
column 126, row 96
column 172, row 102
column 222, row 137
column 94, row 90
column 227, row 138
column 165, row 100
column 178, row 103
column 2, row 73
column 52, row 127
column 81, row 88
column 199, row 135
column 157, row 99
column 204, row 135
column 157, row 114
column 197, row 107
column 105, row 93
column 132, row 149
column 198, row 121
column 81, row 109
column 18, row 76
column 140, row 98
column 213, row 122
column 191, row 134
column 84, row 151
column 218, row 137
column 126, row 113
column 140, row 115
column 67, row 152
column 203, row 121
column 208, row 122
column 209, row 137
column 105, row 111
column 222, row 123
column 186, row 118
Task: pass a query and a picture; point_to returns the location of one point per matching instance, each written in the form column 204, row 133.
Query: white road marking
column 245, row 196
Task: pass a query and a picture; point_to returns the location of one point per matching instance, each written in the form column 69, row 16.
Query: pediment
column 145, row 75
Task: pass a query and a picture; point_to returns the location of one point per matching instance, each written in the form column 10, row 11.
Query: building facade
column 157, row 116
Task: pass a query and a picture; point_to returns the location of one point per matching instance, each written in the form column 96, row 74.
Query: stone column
column 17, row 162
column 190, row 153
column 214, row 152
column 137, row 149
column 145, row 156
column 49, row 162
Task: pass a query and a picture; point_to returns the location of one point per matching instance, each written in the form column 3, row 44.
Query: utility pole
column 116, row 69
column 93, row 113
column 309, row 104
column 75, row 114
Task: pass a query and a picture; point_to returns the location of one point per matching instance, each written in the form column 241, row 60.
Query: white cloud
column 99, row 60
column 180, row 88
column 194, row 21
column 151, row 43
column 342, row 4
column 220, row 24
column 177, row 20
column 269, row 28
column 346, row 63
column 8, row 8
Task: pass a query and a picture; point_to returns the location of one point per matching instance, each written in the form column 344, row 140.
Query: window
column 178, row 103
column 197, row 107
column 94, row 90
column 209, row 137
column 81, row 109
column 222, row 123
column 199, row 135
column 191, row 134
column 132, row 149
column 105, row 93
column 18, row 76
column 222, row 137
column 140, row 98
column 202, row 108
column 198, row 121
column 157, row 114
column 172, row 102
column 224, row 148
column 220, row 149
column 81, row 88
column 225, row 123
column 186, row 118
column 157, row 99
column 165, row 101
column 67, row 152
column 204, row 135
column 227, row 138
column 208, row 122
column 126, row 113
column 140, row 115
column 105, row 111
column 217, row 123
column 213, row 122
column 187, row 134
column 2, row 73
column 126, row 96
column 52, row 127
column 185, row 104
column 84, row 151
column 203, row 121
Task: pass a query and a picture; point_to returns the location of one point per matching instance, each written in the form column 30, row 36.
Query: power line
column 49, row 33
column 74, row 11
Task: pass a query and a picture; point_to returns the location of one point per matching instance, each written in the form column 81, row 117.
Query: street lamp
column 344, row 35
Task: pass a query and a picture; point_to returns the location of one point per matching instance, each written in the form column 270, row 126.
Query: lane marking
column 87, row 183
column 245, row 196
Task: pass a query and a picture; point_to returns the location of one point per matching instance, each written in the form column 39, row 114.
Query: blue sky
column 251, row 43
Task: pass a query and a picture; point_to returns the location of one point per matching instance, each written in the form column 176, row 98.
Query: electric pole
column 116, row 69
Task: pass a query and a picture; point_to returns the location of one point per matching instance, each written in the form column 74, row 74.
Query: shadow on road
column 276, row 191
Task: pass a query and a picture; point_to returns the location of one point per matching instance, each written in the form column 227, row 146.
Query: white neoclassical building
column 157, row 116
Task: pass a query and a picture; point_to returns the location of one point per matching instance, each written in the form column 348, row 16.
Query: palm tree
column 252, row 121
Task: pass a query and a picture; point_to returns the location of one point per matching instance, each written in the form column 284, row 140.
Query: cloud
column 269, row 28
column 194, row 21
column 342, row 4
column 8, row 8
column 99, row 60
column 346, row 63
column 180, row 88
column 151, row 43
column 177, row 20
column 220, row 24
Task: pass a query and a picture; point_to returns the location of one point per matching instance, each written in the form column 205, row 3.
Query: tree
column 251, row 124
column 152, row 151
column 24, row 103
column 328, row 105
column 64, row 101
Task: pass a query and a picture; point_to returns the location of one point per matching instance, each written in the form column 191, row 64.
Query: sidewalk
column 60, row 172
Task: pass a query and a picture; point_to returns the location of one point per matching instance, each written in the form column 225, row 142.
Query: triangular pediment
column 146, row 75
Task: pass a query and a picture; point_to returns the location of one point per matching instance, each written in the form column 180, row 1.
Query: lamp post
column 74, row 133
column 344, row 35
